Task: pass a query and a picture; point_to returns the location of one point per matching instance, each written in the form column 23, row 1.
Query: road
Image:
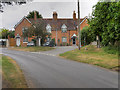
column 46, row 71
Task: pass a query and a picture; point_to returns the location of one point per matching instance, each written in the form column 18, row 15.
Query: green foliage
column 4, row 33
column 64, row 44
column 34, row 41
column 11, row 34
column 38, row 30
column 52, row 42
column 110, row 49
column 67, row 44
column 86, row 37
column 31, row 14
column 105, row 22
column 61, row 44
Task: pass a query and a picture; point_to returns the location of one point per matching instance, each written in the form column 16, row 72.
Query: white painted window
column 23, row 29
column 64, row 28
column 64, row 39
column 25, row 39
column 48, row 28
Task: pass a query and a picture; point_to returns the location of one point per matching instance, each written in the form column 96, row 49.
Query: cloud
column 0, row 20
column 65, row 9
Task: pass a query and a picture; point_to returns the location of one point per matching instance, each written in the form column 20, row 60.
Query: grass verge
column 32, row 49
column 12, row 76
column 94, row 56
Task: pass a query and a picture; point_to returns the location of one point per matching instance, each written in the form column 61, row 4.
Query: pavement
column 47, row 71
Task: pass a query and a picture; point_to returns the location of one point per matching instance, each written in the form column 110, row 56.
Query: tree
column 38, row 30
column 105, row 22
column 12, row 2
column 11, row 34
column 86, row 36
column 4, row 33
column 31, row 14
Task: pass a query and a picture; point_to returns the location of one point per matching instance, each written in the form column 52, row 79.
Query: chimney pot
column 55, row 15
column 74, row 15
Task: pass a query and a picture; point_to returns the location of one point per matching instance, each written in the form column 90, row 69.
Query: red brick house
column 63, row 30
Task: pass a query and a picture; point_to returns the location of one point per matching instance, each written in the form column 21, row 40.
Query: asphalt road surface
column 45, row 71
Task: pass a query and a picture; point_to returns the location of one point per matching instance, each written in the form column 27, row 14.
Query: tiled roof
column 56, row 24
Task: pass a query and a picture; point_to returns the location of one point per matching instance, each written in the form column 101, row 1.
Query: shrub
column 61, row 44
column 86, row 36
column 52, row 42
column 110, row 49
column 64, row 44
column 34, row 41
column 67, row 44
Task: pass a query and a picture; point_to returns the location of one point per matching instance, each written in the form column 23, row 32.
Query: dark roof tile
column 56, row 24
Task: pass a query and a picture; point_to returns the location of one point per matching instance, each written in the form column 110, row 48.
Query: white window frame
column 48, row 28
column 64, row 39
column 25, row 40
column 64, row 28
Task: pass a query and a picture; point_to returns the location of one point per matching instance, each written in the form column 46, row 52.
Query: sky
column 13, row 14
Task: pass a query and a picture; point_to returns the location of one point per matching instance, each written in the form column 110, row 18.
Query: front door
column 74, row 41
column 18, row 42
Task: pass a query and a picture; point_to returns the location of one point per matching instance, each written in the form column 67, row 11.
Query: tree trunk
column 98, row 42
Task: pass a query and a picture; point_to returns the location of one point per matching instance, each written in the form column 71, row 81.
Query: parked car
column 52, row 43
column 30, row 43
column 49, row 43
column 46, row 44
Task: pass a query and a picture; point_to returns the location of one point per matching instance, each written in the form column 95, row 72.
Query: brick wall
column 60, row 34
column 68, row 34
column 18, row 30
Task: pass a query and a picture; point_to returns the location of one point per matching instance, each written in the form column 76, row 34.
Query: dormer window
column 64, row 28
column 48, row 28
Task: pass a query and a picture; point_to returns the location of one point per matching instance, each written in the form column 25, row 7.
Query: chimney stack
column 74, row 15
column 54, row 15
column 35, row 16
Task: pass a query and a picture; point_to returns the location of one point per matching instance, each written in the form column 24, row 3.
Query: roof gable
column 64, row 26
column 48, row 26
column 22, row 20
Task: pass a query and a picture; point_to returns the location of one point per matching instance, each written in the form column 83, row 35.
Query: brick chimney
column 74, row 15
column 35, row 16
column 54, row 16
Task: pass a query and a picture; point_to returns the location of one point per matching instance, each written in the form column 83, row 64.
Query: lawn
column 12, row 76
column 94, row 56
column 32, row 49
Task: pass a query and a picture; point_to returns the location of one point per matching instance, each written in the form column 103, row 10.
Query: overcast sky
column 64, row 8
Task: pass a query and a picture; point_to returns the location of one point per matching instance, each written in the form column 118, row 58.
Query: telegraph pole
column 56, row 36
column 79, row 36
